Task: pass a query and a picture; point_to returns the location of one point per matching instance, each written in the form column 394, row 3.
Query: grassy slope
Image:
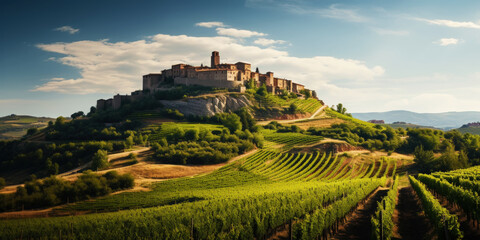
column 14, row 127
column 471, row 130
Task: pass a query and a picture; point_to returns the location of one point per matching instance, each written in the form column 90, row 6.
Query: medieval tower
column 215, row 60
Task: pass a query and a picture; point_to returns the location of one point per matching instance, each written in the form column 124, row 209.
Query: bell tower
column 215, row 59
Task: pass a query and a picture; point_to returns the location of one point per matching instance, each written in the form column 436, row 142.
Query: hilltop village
column 218, row 75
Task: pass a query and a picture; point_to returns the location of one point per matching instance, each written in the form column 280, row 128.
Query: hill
column 187, row 172
column 406, row 125
column 446, row 120
column 16, row 126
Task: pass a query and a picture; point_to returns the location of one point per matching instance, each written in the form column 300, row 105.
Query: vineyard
column 276, row 192
column 304, row 105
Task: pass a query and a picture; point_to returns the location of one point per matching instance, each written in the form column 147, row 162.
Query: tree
column 191, row 135
column 256, row 70
column 232, row 122
column 306, row 93
column 129, row 141
column 424, row 159
column 293, row 108
column 262, row 91
column 100, row 160
column 251, row 84
column 77, row 115
column 59, row 121
column 341, row 109
column 92, row 111
column 52, row 168
column 248, row 122
column 32, row 131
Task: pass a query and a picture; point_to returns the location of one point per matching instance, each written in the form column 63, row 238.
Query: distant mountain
column 447, row 120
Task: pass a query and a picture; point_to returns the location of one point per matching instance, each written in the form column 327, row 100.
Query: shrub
column 2, row 183
column 100, row 160
column 53, row 191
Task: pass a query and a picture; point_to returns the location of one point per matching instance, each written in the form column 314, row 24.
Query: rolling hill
column 16, row 126
column 446, row 120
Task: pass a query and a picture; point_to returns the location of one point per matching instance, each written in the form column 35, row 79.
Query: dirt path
column 67, row 174
column 409, row 220
column 318, row 111
column 358, row 225
column 144, row 172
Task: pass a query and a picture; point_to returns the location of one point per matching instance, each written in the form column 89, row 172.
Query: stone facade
column 218, row 75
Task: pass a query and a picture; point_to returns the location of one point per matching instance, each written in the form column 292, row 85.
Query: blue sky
column 58, row 57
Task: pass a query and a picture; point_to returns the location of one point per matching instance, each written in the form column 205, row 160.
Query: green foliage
column 32, row 131
column 438, row 215
column 459, row 194
column 292, row 109
column 247, row 120
column 60, row 121
column 93, row 110
column 342, row 110
column 192, row 135
column 307, row 94
column 361, row 135
column 44, row 159
column 424, row 159
column 127, row 108
column 321, row 219
column 383, row 216
column 290, row 138
column 100, row 160
column 231, row 121
column 250, row 205
column 250, row 84
column 449, row 160
column 53, row 191
column 77, row 115
column 428, row 138
column 209, row 150
column 133, row 158
column 262, row 91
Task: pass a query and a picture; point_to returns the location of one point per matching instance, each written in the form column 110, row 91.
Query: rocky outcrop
column 208, row 105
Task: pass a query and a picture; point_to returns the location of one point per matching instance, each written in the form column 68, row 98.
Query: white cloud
column 117, row 67
column 382, row 31
column 68, row 29
column 239, row 33
column 447, row 41
column 334, row 11
column 267, row 42
column 450, row 23
column 210, row 24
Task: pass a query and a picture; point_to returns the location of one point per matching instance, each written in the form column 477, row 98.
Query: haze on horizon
column 59, row 57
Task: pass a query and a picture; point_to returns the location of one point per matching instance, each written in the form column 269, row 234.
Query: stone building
column 218, row 75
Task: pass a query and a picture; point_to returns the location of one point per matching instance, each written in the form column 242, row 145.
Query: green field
column 16, row 126
column 287, row 184
column 242, row 200
column 158, row 131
